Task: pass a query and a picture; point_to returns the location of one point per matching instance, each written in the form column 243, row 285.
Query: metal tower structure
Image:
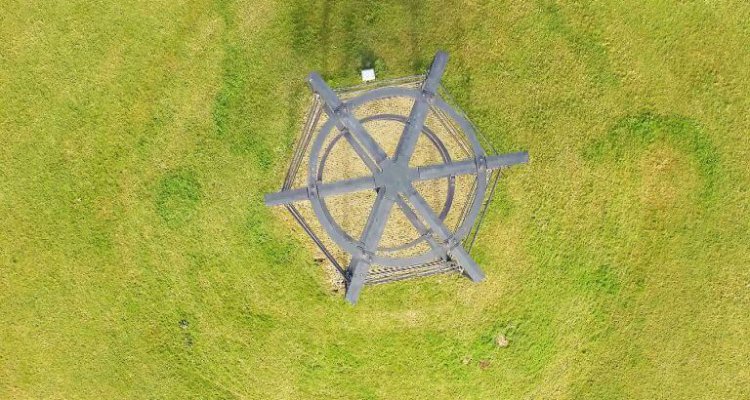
column 393, row 180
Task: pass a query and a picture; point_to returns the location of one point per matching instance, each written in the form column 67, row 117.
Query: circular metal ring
column 439, row 145
column 337, row 234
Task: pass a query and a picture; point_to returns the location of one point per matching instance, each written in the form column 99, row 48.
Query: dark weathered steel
column 371, row 235
column 470, row 166
column 393, row 180
column 422, row 173
column 418, row 114
column 337, row 110
column 327, row 222
column 324, row 189
column 452, row 246
column 445, row 156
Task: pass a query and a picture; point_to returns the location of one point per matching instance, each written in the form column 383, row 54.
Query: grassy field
column 138, row 261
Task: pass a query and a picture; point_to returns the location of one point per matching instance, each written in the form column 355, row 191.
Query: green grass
column 137, row 139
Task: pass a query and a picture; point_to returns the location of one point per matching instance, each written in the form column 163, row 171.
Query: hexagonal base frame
column 392, row 179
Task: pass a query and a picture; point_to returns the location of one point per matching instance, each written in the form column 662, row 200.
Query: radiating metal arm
column 324, row 189
column 453, row 248
column 360, row 265
column 418, row 114
column 437, row 69
column 422, row 173
column 335, row 108
column 507, row 160
column 424, row 231
column 470, row 166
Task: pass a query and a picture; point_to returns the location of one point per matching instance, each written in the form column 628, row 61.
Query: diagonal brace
column 335, row 108
column 323, row 190
column 453, row 248
column 422, row 173
column 371, row 234
column 419, row 110
column 470, row 166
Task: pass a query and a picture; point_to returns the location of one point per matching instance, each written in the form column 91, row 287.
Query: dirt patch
column 501, row 341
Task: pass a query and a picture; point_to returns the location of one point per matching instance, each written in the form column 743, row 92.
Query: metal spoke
column 453, row 248
column 408, row 212
column 359, row 264
column 324, row 190
column 418, row 114
column 470, row 166
column 371, row 234
column 422, row 173
column 335, row 108
column 425, row 232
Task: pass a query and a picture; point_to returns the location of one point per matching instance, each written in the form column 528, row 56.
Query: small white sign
column 368, row 75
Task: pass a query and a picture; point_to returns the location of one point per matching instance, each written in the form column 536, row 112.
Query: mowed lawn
column 138, row 261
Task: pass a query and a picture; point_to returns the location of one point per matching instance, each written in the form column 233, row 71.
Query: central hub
column 394, row 177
